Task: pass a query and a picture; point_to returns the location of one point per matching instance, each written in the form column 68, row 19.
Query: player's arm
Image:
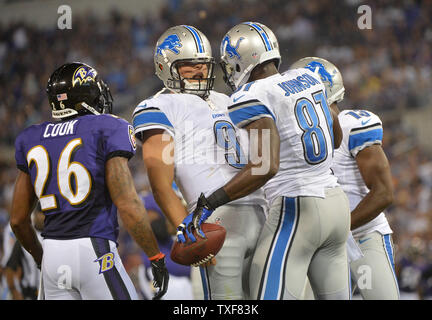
column 250, row 178
column 263, row 167
column 23, row 201
column 263, row 162
column 264, row 145
column 259, row 169
column 375, row 170
column 135, row 219
column 158, row 153
column 129, row 205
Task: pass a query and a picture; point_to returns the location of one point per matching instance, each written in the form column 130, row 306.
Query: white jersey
column 207, row 152
column 360, row 129
column 296, row 101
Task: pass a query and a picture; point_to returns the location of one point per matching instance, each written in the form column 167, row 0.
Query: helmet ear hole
column 238, row 68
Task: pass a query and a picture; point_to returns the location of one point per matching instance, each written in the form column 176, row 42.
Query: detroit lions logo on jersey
column 83, row 74
column 229, row 49
column 172, row 42
column 319, row 68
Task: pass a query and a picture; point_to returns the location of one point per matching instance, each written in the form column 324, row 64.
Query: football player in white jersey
column 187, row 136
column 364, row 173
column 308, row 223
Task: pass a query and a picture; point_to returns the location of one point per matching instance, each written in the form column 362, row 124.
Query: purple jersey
column 66, row 163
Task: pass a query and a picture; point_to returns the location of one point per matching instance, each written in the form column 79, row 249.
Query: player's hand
column 201, row 213
column 160, row 277
column 194, row 221
column 186, row 227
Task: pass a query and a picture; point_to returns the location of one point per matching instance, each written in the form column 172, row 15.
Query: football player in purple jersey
column 77, row 168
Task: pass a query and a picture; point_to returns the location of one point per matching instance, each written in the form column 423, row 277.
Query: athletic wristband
column 218, row 198
column 156, row 257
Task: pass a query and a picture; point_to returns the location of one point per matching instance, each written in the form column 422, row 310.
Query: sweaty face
column 193, row 70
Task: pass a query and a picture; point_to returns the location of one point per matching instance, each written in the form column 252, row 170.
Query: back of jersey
column 66, row 163
column 296, row 101
column 361, row 129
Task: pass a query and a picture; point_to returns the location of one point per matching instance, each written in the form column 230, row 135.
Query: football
column 201, row 251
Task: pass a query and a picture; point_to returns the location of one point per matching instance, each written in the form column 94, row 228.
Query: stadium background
column 386, row 69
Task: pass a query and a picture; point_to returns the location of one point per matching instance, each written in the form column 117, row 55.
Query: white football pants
column 229, row 278
column 303, row 237
column 374, row 273
column 84, row 269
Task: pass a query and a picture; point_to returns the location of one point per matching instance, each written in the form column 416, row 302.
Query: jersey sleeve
column 20, row 156
column 148, row 115
column 245, row 109
column 366, row 131
column 120, row 140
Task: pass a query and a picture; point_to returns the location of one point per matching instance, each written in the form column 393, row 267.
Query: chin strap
column 337, row 97
column 90, row 108
column 246, row 72
column 161, row 91
column 195, row 87
column 210, row 103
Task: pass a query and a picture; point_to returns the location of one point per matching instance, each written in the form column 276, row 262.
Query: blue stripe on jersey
column 197, row 38
column 151, row 118
column 262, row 33
column 358, row 139
column 273, row 286
column 249, row 112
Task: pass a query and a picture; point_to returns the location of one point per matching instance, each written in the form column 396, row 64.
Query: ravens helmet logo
column 83, row 74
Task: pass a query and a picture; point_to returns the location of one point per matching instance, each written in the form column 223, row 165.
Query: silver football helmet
column 329, row 74
column 183, row 44
column 243, row 48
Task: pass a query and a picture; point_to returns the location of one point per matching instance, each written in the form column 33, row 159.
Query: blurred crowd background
column 386, row 69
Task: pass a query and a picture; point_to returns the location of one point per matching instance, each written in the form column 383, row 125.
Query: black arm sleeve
column 126, row 154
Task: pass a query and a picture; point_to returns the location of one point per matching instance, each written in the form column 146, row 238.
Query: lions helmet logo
column 83, row 74
column 172, row 42
column 229, row 49
column 319, row 68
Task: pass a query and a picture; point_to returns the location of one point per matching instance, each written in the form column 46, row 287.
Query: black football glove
column 201, row 213
column 160, row 277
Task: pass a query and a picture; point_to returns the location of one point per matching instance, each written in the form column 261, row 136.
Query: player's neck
column 335, row 108
column 262, row 71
